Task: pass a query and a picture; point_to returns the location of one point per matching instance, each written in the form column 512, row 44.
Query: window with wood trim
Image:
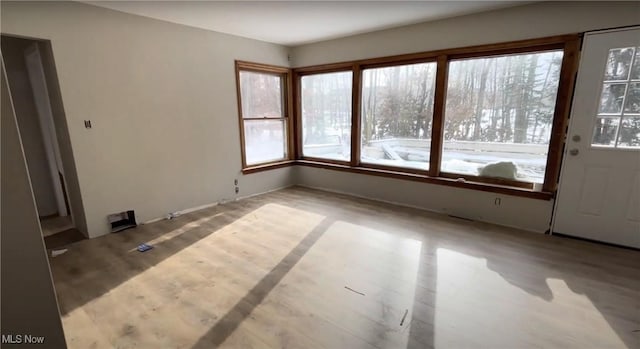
column 489, row 117
column 325, row 109
column 499, row 115
column 396, row 115
column 263, row 108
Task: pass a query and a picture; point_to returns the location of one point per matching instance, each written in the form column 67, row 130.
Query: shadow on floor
column 99, row 265
column 232, row 319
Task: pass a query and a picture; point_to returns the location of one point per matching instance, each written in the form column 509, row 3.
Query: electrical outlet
column 235, row 182
column 237, row 190
column 497, row 201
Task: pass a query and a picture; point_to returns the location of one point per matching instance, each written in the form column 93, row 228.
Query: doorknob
column 573, row 152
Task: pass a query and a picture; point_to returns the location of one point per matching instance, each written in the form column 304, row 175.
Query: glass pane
column 632, row 101
column 635, row 70
column 397, row 112
column 499, row 114
column 326, row 115
column 261, row 95
column 265, row 140
column 618, row 63
column 611, row 98
column 629, row 133
column 604, row 134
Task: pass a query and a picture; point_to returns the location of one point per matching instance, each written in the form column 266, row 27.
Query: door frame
column 570, row 124
column 37, row 79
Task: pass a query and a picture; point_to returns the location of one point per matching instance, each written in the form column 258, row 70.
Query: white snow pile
column 502, row 169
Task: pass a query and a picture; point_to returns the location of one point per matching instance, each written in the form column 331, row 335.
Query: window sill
column 467, row 184
column 452, row 182
column 267, row 166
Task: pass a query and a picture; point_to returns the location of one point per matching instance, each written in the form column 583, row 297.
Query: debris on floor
column 56, row 253
column 404, row 317
column 144, row 247
column 352, row 290
column 173, row 215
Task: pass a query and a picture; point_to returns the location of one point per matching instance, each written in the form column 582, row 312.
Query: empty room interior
column 320, row 174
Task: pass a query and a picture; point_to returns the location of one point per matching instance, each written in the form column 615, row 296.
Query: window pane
column 635, row 69
column 499, row 112
column 265, row 141
column 611, row 98
column 632, row 101
column 397, row 112
column 629, row 133
column 619, row 63
column 261, row 95
column 604, row 133
column 326, row 115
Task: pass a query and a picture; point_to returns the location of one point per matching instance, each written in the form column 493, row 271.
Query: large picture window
column 263, row 112
column 397, row 111
column 326, row 115
column 499, row 115
column 490, row 117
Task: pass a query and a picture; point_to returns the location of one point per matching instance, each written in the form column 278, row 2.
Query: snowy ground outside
column 466, row 158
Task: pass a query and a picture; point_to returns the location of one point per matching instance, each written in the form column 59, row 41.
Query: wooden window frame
column 287, row 106
column 569, row 44
column 298, row 74
column 374, row 64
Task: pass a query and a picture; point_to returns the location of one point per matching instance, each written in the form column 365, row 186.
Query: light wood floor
column 301, row 268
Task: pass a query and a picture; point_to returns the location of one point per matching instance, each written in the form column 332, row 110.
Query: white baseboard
column 223, row 201
column 401, row 204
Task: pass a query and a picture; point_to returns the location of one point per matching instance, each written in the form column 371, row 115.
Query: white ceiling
column 294, row 23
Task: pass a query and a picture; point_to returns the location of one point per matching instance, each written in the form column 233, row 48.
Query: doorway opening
column 45, row 139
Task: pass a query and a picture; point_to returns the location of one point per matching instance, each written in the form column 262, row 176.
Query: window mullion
column 435, row 153
column 356, row 91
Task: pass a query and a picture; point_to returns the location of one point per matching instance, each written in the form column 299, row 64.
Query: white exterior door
column 599, row 191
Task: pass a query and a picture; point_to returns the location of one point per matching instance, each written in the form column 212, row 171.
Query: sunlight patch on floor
column 353, row 286
column 511, row 309
column 198, row 284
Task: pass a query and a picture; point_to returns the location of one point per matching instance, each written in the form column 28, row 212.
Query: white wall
column 162, row 101
column 513, row 211
column 515, row 23
column 523, row 22
column 29, row 125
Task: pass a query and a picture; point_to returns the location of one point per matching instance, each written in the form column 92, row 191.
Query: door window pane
column 264, row 141
column 499, row 115
column 326, row 115
column 635, row 69
column 261, row 95
column 629, row 133
column 611, row 98
column 619, row 63
column 604, row 133
column 621, row 99
column 397, row 112
column 632, row 101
